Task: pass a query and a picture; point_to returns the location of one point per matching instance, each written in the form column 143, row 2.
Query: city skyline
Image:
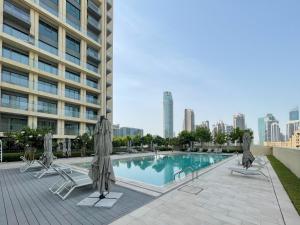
column 217, row 72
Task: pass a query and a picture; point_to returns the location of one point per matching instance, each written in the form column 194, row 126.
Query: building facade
column 168, row 114
column 275, row 131
column 189, row 120
column 126, row 131
column 239, row 121
column 261, row 130
column 219, row 127
column 293, row 142
column 56, row 65
column 291, row 127
column 294, row 114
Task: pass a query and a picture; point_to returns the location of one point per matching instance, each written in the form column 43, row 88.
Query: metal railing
column 1, row 151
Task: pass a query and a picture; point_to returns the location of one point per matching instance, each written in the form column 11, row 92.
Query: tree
column 237, row 135
column 137, row 140
column 203, row 135
column 220, row 138
column 186, row 138
column 83, row 141
column 159, row 140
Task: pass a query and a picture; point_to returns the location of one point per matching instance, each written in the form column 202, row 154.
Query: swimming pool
column 158, row 170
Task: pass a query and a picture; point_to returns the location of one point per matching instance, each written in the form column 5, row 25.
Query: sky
column 217, row 57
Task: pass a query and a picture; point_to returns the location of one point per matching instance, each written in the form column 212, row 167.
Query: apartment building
column 56, row 65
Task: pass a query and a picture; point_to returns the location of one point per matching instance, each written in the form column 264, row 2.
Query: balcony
column 108, row 83
column 94, row 25
column 16, row 14
column 109, row 67
column 109, row 53
column 109, row 41
column 108, row 110
column 109, row 28
column 91, row 116
column 109, row 15
column 93, row 55
column 109, row 4
column 108, row 97
column 94, row 9
column 14, row 104
column 18, row 34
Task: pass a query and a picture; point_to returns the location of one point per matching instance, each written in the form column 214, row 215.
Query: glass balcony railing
column 14, row 104
column 72, row 113
column 94, row 23
column 91, row 116
column 72, row 59
column 48, row 48
column 92, row 99
column 93, row 53
column 14, row 55
column 91, row 83
column 92, row 68
column 18, row 34
column 42, row 108
column 74, row 24
column 93, row 36
column 48, row 68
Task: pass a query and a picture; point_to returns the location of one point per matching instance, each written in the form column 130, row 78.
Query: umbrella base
column 106, row 200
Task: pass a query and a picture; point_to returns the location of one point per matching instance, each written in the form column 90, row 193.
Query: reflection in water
column 159, row 170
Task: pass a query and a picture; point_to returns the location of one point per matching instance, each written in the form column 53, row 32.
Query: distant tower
column 239, row 121
column 189, row 120
column 294, row 114
column 168, row 114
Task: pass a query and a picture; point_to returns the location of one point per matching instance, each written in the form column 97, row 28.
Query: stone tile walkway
column 225, row 199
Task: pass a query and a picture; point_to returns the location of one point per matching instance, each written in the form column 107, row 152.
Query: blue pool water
column 159, row 170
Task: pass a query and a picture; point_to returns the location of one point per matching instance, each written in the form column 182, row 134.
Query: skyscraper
column 219, row 127
column 168, row 114
column 291, row 128
column 275, row 131
column 294, row 114
column 56, row 65
column 189, row 120
column 269, row 120
column 261, row 130
column 239, row 121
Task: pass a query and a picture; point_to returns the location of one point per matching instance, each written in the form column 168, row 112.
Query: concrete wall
column 289, row 157
column 261, row 150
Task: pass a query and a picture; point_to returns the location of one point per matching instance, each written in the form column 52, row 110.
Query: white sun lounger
column 258, row 162
column 50, row 170
column 28, row 164
column 68, row 183
column 250, row 171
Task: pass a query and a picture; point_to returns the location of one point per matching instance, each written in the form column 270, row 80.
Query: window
column 47, row 124
column 90, row 128
column 72, row 76
column 72, row 93
column 14, row 77
column 16, row 55
column 73, row 15
column 93, row 35
column 48, row 38
column 50, row 5
column 47, row 106
column 72, row 50
column 14, row 100
column 47, row 86
column 72, row 110
column 48, row 67
column 92, row 67
column 71, row 128
column 92, row 83
column 91, row 98
column 11, row 122
column 91, row 114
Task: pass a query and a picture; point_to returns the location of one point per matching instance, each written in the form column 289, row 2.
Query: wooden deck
column 26, row 200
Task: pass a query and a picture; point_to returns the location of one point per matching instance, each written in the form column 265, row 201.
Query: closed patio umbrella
column 69, row 148
column 48, row 155
column 248, row 158
column 101, row 172
column 64, row 148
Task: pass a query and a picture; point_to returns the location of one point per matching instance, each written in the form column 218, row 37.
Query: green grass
column 289, row 180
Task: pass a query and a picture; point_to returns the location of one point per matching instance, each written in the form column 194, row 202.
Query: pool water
column 159, row 170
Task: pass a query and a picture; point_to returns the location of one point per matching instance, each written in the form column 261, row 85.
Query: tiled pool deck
column 224, row 199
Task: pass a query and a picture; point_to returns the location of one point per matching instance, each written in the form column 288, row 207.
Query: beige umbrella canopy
column 47, row 158
column 248, row 158
column 101, row 171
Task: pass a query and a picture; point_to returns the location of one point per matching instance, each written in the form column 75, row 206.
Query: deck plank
column 3, row 217
column 15, row 201
column 36, row 205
